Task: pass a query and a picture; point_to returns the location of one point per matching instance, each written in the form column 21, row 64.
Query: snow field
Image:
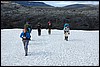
column 82, row 49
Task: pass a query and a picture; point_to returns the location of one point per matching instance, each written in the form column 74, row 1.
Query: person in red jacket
column 49, row 27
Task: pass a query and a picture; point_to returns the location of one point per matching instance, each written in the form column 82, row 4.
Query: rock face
column 15, row 15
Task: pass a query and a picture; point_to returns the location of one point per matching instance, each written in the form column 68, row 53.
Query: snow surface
column 82, row 49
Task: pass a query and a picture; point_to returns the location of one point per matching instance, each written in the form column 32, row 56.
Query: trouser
column 39, row 32
column 49, row 31
column 66, row 38
column 66, row 35
column 25, row 42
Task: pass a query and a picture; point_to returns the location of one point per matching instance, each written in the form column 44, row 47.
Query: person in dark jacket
column 25, row 38
column 28, row 26
column 49, row 27
column 39, row 29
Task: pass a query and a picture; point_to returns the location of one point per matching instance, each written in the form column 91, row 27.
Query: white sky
column 65, row 3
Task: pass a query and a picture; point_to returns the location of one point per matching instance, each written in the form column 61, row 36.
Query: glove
column 24, row 37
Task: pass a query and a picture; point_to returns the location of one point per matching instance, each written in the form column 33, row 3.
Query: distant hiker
column 28, row 26
column 49, row 27
column 39, row 29
column 66, row 31
column 25, row 38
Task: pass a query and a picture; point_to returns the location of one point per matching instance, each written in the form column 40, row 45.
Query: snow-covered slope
column 82, row 49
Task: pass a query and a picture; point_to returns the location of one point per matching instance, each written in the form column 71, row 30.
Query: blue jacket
column 27, row 35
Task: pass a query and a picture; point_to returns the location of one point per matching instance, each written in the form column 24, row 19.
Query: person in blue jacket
column 25, row 38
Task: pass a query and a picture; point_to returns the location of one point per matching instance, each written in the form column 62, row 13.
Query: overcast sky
column 64, row 3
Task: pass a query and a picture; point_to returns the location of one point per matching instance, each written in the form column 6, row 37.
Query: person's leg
column 38, row 32
column 67, row 36
column 49, row 31
column 24, row 43
column 26, row 47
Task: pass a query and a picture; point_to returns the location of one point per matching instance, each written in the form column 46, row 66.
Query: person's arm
column 64, row 28
column 21, row 35
column 68, row 31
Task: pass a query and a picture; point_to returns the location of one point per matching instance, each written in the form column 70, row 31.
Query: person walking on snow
column 66, row 31
column 28, row 26
column 49, row 27
column 25, row 38
column 39, row 29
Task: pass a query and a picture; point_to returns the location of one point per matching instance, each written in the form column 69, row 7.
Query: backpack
column 66, row 29
column 29, row 30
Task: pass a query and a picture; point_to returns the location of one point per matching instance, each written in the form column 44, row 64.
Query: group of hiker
column 39, row 26
column 25, row 34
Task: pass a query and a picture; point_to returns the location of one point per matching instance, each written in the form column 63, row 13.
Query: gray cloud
column 64, row 3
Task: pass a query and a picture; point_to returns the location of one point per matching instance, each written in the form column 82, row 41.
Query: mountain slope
column 78, row 6
column 27, row 3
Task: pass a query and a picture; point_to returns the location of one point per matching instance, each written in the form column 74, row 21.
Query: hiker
column 28, row 26
column 39, row 29
column 49, row 27
column 25, row 38
column 66, row 31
